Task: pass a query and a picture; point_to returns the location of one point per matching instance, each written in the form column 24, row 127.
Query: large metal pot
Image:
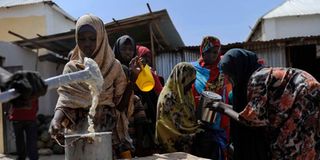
column 89, row 146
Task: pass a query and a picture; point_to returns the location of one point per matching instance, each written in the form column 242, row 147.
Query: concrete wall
column 28, row 60
column 48, row 102
column 26, row 20
column 56, row 22
column 17, row 56
column 30, row 20
column 285, row 27
column 22, row 25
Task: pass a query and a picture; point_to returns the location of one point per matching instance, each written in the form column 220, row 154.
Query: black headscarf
column 120, row 41
column 239, row 64
column 249, row 143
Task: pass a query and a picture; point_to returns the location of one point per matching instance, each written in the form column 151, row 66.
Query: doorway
column 304, row 57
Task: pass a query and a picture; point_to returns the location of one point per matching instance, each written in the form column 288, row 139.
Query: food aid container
column 204, row 113
column 96, row 145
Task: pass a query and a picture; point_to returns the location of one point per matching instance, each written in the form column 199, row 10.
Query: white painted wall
column 56, row 22
column 17, row 56
column 295, row 26
column 48, row 102
column 23, row 11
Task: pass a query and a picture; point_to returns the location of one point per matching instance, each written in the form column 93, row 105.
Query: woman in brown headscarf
column 74, row 100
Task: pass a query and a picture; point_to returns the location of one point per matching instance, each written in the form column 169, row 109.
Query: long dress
column 176, row 123
column 287, row 100
column 249, row 143
column 75, row 99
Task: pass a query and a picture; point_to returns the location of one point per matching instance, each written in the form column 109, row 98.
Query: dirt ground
column 50, row 157
column 171, row 156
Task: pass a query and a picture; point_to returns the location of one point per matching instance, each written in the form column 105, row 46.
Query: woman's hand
column 226, row 109
column 56, row 124
column 135, row 67
column 55, row 128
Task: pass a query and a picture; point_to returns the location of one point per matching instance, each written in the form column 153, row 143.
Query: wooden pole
column 149, row 8
column 1, row 130
column 26, row 39
column 152, row 45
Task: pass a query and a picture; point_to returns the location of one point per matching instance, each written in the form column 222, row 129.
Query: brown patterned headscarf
column 103, row 53
column 78, row 95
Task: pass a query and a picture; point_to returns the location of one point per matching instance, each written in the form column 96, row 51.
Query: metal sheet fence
column 274, row 56
column 167, row 60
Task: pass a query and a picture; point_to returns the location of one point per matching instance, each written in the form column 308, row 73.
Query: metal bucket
column 82, row 147
column 203, row 111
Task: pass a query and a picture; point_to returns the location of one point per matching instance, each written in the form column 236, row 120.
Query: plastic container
column 145, row 81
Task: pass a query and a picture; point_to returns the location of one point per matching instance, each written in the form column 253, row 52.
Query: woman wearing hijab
column 176, row 123
column 125, row 50
column 279, row 107
column 136, row 114
column 73, row 102
column 208, row 75
column 208, row 78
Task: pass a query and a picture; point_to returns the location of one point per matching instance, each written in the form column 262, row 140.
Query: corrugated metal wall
column 274, row 56
column 191, row 56
column 165, row 61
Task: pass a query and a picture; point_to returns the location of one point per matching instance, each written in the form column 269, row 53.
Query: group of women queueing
column 278, row 107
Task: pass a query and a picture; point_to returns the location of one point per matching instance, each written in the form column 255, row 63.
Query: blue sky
column 230, row 20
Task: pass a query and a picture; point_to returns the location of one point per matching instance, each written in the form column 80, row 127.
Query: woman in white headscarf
column 74, row 99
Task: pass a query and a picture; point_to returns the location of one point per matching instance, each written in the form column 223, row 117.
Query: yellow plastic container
column 145, row 81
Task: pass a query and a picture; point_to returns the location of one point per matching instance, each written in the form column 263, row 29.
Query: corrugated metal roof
column 295, row 8
column 62, row 43
column 250, row 44
column 11, row 3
